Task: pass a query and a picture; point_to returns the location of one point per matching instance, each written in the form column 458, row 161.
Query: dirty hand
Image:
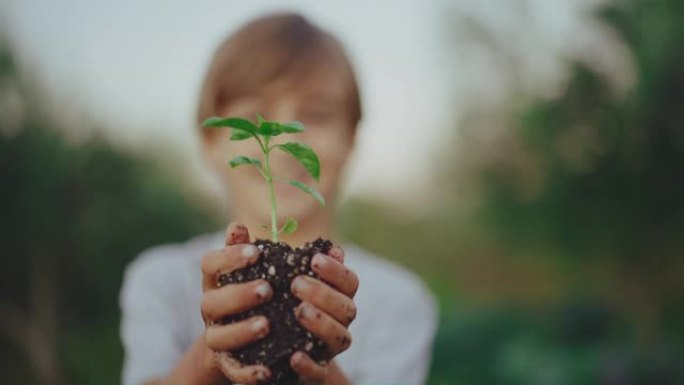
column 326, row 310
column 219, row 302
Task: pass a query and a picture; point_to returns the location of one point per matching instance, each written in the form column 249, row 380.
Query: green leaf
column 240, row 160
column 292, row 127
column 238, row 134
column 242, row 128
column 290, row 226
column 239, row 123
column 260, row 119
column 269, row 129
column 309, row 190
column 305, row 155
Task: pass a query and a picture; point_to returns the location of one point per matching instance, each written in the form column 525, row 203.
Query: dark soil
column 279, row 265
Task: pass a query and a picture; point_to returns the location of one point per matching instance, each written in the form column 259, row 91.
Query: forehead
column 321, row 82
column 323, row 85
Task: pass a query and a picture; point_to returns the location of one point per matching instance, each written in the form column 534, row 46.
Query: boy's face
column 320, row 104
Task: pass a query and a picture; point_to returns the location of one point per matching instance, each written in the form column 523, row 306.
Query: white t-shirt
column 160, row 299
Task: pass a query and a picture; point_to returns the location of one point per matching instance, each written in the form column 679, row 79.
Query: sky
column 135, row 67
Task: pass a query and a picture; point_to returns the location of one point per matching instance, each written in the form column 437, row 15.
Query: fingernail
column 262, row 375
column 299, row 285
column 297, row 359
column 249, row 251
column 306, row 311
column 319, row 260
column 337, row 254
column 263, row 291
column 236, row 233
column 259, row 325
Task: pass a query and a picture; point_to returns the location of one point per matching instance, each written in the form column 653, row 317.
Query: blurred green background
column 556, row 253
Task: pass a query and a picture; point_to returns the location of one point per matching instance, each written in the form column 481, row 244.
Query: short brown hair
column 268, row 49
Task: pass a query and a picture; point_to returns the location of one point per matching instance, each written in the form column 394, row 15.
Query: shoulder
column 161, row 283
column 168, row 257
column 156, row 266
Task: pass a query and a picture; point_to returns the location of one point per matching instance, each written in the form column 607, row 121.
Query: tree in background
column 591, row 181
column 599, row 176
column 72, row 216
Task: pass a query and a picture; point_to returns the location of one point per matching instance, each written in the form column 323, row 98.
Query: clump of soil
column 279, row 265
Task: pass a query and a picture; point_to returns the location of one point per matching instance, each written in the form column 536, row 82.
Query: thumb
column 236, row 233
column 337, row 253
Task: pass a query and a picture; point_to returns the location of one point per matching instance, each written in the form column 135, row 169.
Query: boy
column 286, row 69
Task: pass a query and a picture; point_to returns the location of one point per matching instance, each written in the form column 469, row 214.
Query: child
column 286, row 69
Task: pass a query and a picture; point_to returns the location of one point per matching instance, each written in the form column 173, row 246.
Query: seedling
column 279, row 262
column 263, row 131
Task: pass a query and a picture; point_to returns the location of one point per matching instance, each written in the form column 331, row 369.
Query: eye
column 246, row 108
column 318, row 115
column 250, row 113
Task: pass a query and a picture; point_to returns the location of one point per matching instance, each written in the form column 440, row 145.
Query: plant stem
column 271, row 191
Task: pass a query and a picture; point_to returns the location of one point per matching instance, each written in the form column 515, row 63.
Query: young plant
column 262, row 132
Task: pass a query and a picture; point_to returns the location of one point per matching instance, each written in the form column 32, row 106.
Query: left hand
column 326, row 310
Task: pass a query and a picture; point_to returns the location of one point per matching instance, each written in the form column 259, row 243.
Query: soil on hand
column 279, row 264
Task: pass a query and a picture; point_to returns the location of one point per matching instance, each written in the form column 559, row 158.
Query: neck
column 317, row 225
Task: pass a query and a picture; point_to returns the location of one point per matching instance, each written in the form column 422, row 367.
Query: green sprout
column 262, row 132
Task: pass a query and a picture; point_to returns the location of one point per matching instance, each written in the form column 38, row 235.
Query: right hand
column 219, row 302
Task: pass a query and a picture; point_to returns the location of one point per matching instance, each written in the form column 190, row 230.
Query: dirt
column 279, row 264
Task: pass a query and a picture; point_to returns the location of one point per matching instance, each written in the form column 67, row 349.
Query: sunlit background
column 525, row 157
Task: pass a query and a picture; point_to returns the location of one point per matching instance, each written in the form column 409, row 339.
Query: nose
column 283, row 111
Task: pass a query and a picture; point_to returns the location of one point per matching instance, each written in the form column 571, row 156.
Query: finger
column 223, row 261
column 337, row 253
column 309, row 371
column 236, row 233
column 233, row 299
column 324, row 297
column 336, row 274
column 236, row 335
column 331, row 332
column 236, row 372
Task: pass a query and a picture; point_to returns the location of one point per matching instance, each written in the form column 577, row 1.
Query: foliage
column 598, row 176
column 263, row 132
column 583, row 197
column 72, row 217
column 579, row 342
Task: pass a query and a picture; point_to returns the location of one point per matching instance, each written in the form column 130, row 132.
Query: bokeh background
column 525, row 157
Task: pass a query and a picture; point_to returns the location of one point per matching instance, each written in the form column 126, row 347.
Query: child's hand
column 326, row 310
column 219, row 302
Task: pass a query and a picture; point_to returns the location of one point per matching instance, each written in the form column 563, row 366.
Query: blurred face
column 319, row 103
